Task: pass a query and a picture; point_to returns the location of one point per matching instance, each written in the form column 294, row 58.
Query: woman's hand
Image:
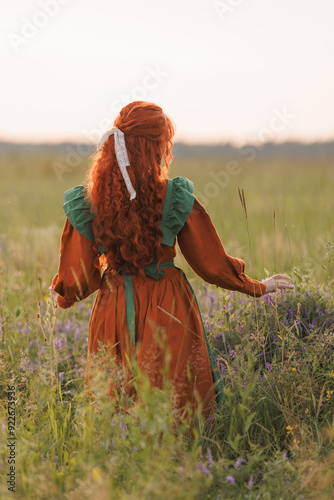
column 278, row 281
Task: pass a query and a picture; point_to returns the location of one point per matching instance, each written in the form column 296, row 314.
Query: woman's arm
column 79, row 272
column 202, row 248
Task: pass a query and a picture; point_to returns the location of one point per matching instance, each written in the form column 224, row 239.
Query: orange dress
column 167, row 318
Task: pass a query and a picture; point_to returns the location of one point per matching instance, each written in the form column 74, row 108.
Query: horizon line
column 231, row 143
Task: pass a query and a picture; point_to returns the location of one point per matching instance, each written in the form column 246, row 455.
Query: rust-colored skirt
column 170, row 342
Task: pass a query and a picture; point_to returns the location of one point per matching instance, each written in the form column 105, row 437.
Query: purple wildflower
column 210, row 459
column 59, row 342
column 230, row 479
column 205, row 470
column 42, row 349
column 61, row 376
column 239, row 461
column 27, row 365
column 269, row 367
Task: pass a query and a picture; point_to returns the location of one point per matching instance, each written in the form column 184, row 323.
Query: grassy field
column 274, row 438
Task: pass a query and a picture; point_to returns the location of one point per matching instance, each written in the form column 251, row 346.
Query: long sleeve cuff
column 64, row 303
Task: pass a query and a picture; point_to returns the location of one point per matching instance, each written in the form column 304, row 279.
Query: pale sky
column 239, row 70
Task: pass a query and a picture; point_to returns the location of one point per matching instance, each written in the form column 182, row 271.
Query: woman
column 128, row 219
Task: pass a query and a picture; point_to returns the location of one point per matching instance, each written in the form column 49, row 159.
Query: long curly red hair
column 130, row 229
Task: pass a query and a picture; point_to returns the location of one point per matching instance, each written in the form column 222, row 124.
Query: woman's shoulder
column 182, row 196
column 76, row 194
column 78, row 210
column 178, row 205
column 181, row 184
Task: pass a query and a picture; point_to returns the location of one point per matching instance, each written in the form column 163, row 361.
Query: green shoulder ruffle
column 178, row 205
column 78, row 211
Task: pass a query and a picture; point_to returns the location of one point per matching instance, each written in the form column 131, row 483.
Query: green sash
column 150, row 270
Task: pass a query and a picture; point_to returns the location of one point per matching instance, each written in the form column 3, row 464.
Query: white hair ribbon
column 121, row 155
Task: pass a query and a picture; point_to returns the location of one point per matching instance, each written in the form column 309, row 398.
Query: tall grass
column 274, row 436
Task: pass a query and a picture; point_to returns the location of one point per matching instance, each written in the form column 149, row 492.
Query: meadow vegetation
column 274, row 436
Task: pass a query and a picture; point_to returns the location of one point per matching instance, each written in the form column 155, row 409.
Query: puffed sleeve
column 79, row 272
column 202, row 248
